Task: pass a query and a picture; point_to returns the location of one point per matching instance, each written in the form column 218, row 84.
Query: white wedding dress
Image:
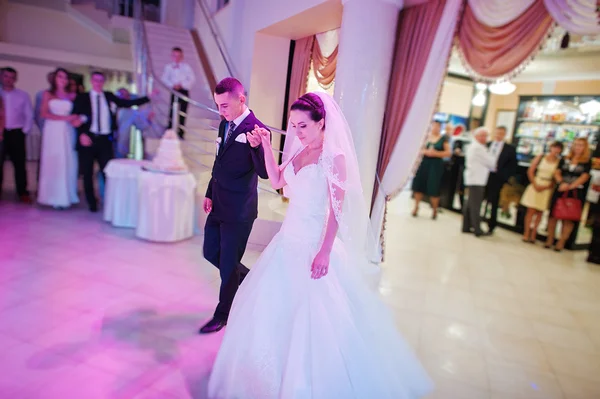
column 58, row 161
column 292, row 337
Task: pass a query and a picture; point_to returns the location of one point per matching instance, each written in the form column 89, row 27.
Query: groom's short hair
column 229, row 85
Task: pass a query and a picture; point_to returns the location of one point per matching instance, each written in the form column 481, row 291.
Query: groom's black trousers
column 224, row 246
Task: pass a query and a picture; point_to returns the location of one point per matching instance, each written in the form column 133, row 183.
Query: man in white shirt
column 18, row 122
column 478, row 164
column 179, row 76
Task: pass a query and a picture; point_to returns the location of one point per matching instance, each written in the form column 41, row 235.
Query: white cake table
column 166, row 206
column 121, row 197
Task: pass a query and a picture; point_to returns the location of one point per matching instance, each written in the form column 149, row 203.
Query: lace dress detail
column 292, row 337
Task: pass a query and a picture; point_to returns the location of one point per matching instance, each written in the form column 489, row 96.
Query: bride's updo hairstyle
column 313, row 105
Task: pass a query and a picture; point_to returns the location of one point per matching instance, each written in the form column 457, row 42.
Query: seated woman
column 572, row 174
column 539, row 192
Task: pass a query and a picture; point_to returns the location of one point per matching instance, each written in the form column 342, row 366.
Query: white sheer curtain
column 413, row 131
column 581, row 17
column 496, row 13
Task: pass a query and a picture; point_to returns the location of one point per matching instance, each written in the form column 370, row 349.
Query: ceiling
column 322, row 18
column 578, row 62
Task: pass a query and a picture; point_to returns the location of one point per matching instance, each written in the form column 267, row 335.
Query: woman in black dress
column 428, row 179
column 573, row 173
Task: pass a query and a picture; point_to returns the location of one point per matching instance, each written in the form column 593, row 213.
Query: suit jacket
column 83, row 106
column 507, row 165
column 233, row 187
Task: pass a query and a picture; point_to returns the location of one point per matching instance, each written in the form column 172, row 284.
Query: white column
column 366, row 50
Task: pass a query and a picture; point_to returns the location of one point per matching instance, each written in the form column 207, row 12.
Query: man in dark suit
column 95, row 129
column 506, row 167
column 232, row 196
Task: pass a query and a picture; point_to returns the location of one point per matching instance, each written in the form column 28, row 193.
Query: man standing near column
column 505, row 157
column 18, row 122
column 179, row 76
column 478, row 163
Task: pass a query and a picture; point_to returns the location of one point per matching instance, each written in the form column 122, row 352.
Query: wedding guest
column 478, row 164
column 428, row 179
column 572, row 174
column 594, row 251
column 538, row 193
column 128, row 118
column 2, row 117
column 95, row 127
column 39, row 121
column 18, row 122
column 179, row 76
column 505, row 156
column 58, row 162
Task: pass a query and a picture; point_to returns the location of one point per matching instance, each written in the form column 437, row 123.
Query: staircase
column 156, row 41
column 201, row 124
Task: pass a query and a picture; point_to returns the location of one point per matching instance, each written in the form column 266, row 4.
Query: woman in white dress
column 58, row 161
column 304, row 324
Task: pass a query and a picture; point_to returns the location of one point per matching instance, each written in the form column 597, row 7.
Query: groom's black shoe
column 213, row 326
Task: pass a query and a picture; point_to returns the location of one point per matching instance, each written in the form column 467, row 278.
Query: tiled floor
column 87, row 311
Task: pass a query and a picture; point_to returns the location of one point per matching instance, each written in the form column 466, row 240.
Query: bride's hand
column 263, row 133
column 253, row 139
column 320, row 265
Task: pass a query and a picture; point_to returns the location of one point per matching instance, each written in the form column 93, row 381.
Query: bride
column 58, row 161
column 305, row 324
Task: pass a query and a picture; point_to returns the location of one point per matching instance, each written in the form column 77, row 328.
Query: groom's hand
column 207, row 205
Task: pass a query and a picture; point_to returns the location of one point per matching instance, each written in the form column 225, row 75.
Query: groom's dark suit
column 101, row 149
column 233, row 190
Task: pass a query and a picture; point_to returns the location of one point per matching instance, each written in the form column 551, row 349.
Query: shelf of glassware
column 534, row 136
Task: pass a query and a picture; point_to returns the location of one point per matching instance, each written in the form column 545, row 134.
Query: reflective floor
column 88, row 311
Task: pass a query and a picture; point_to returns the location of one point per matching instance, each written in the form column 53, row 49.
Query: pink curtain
column 299, row 76
column 498, row 52
column 413, row 45
column 324, row 67
column 581, row 17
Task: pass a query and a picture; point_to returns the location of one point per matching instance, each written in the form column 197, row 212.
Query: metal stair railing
column 147, row 80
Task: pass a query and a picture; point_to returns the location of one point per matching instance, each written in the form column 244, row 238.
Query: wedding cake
column 169, row 156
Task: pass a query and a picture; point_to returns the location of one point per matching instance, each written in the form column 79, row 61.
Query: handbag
column 567, row 208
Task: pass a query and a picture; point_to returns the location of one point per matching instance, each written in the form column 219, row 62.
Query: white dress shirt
column 478, row 163
column 18, row 110
column 495, row 149
column 179, row 74
column 238, row 121
column 103, row 117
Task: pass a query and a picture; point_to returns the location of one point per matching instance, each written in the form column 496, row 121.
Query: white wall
column 31, row 77
column 238, row 23
column 260, row 60
column 269, row 77
column 456, row 96
column 49, row 29
column 178, row 13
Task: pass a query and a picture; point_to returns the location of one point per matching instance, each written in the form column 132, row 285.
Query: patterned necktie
column 230, row 131
column 98, row 115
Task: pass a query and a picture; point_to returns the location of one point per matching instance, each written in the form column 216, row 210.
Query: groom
column 232, row 196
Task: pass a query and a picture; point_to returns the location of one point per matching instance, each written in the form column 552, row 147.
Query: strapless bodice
column 59, row 106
